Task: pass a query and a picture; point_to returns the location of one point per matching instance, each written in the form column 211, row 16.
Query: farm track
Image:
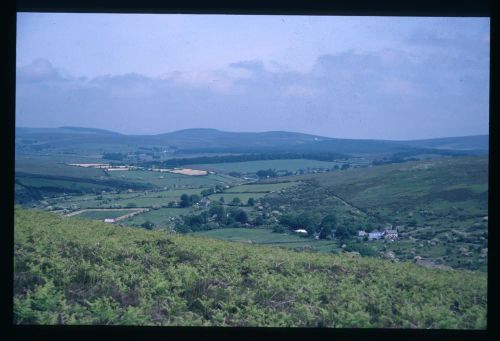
column 125, row 216
column 351, row 206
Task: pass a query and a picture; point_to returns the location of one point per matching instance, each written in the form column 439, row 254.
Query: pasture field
column 172, row 180
column 261, row 188
column 140, row 199
column 291, row 165
column 159, row 217
column 228, row 197
column 265, row 236
column 101, row 215
column 61, row 185
column 54, row 166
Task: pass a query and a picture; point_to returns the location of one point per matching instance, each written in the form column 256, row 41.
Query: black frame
column 432, row 8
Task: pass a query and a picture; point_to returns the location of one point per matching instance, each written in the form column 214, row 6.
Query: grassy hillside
column 72, row 271
column 76, row 139
column 442, row 204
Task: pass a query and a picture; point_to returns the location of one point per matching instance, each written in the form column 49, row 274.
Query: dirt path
column 351, row 206
column 136, row 211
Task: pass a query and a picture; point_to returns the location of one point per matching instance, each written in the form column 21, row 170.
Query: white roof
column 300, row 231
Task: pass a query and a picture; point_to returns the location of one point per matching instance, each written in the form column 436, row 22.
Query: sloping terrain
column 71, row 271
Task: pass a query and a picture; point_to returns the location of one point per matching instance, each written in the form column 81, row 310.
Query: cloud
column 39, row 70
column 252, row 65
column 344, row 94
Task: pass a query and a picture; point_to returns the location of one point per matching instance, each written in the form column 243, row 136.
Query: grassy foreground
column 71, row 271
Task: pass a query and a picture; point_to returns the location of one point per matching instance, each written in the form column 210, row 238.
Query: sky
column 394, row 78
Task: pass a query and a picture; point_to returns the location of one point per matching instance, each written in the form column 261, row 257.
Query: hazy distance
column 345, row 77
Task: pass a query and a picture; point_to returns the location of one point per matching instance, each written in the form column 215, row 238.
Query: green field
column 291, row 165
column 159, row 217
column 262, row 188
column 84, row 272
column 101, row 215
column 56, row 165
column 140, row 199
column 228, row 197
column 61, row 185
column 267, row 237
column 171, row 180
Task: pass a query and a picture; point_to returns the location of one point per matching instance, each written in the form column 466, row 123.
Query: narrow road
column 137, row 211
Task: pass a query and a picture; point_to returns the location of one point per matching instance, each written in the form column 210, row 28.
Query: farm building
column 300, row 231
column 362, row 233
column 107, row 220
column 391, row 234
column 375, row 235
column 205, row 201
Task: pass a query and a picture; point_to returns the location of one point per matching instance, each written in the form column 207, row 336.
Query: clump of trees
column 189, row 200
column 114, row 156
column 269, row 173
column 311, row 222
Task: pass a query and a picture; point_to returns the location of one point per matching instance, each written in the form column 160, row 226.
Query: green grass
column 56, row 165
column 159, row 217
column 61, row 184
column 140, row 199
column 228, row 197
column 101, row 215
column 73, row 271
column 292, row 165
column 265, row 236
column 263, row 188
column 171, row 180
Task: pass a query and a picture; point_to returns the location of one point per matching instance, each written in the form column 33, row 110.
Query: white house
column 361, row 233
column 391, row 234
column 205, row 201
column 375, row 235
column 107, row 220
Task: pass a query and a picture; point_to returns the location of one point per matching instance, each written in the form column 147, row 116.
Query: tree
column 241, row 217
column 328, row 224
column 194, row 198
column 345, row 166
column 185, row 200
column 308, row 221
column 344, row 232
column 221, row 199
column 259, row 220
column 219, row 212
column 148, row 225
column 236, row 201
column 251, row 202
column 270, row 173
column 207, row 192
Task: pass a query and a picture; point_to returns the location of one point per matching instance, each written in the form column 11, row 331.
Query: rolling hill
column 216, row 141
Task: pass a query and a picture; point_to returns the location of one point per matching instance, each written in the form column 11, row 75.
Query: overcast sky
column 346, row 77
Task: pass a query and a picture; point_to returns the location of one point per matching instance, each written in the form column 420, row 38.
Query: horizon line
column 254, row 132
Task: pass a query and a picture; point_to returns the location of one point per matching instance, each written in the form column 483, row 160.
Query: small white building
column 302, row 231
column 109, row 220
column 375, row 235
column 361, row 233
column 205, row 201
column 391, row 234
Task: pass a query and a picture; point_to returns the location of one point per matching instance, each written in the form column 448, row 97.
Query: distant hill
column 476, row 143
column 202, row 140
